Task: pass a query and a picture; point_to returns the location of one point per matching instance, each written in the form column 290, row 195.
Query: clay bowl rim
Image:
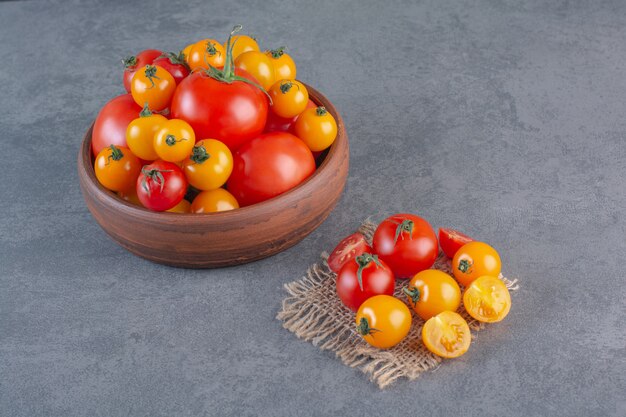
column 273, row 204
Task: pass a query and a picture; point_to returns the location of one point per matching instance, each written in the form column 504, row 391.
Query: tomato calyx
column 278, row 52
column 465, row 266
column 413, row 293
column 129, row 61
column 145, row 112
column 321, row 110
column 199, row 154
column 364, row 329
column 116, row 154
column 170, row 140
column 364, row 261
column 285, row 86
column 406, row 226
column 155, row 175
column 151, row 74
column 176, row 59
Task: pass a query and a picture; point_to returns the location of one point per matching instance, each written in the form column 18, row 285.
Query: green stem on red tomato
column 364, row 261
column 405, row 226
column 155, row 175
column 129, row 61
column 413, row 293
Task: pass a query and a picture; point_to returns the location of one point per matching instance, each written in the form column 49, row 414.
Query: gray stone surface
column 505, row 119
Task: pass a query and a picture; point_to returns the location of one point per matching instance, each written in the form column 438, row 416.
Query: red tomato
column 349, row 248
column 451, row 241
column 161, row 185
column 133, row 63
column 174, row 64
column 280, row 124
column 268, row 166
column 407, row 243
column 364, row 277
column 112, row 121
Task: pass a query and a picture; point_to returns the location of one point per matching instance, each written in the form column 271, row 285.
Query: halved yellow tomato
column 487, row 299
column 447, row 335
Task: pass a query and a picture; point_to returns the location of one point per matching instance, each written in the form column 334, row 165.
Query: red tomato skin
column 144, row 58
column 355, row 245
column 281, row 124
column 377, row 280
column 268, row 166
column 178, row 71
column 174, row 187
column 409, row 255
column 112, row 121
column 231, row 113
column 452, row 240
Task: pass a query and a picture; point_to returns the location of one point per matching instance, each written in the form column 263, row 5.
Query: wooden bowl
column 226, row 238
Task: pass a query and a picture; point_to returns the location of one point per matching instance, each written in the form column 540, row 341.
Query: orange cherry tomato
column 187, row 51
column 117, row 168
column 205, row 53
column 284, row 67
column 183, row 207
column 447, row 335
column 140, row 134
column 383, row 321
column 212, row 201
column 153, row 86
column 474, row 260
column 243, row 43
column 174, row 141
column 209, row 165
column 431, row 292
column 317, row 128
column 487, row 299
column 258, row 65
column 289, row 98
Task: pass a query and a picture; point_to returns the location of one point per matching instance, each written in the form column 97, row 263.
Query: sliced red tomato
column 349, row 248
column 451, row 241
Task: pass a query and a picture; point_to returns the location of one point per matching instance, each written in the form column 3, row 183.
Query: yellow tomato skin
column 187, row 51
column 474, row 260
column 213, row 201
column 383, row 321
column 431, row 292
column 447, row 335
column 183, row 207
column 289, row 98
column 487, row 299
column 209, row 165
column 258, row 65
column 317, row 128
column 284, row 66
column 174, row 141
column 243, row 43
column 153, row 86
column 140, row 135
column 206, row 52
column 117, row 168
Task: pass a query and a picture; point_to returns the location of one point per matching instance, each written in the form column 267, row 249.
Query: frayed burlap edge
column 313, row 312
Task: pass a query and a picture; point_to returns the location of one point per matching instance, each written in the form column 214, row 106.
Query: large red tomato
column 268, row 166
column 133, row 63
column 407, row 243
column 112, row 121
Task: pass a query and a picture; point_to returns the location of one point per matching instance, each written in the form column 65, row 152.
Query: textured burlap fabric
column 313, row 312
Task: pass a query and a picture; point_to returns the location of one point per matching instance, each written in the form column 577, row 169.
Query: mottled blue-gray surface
column 506, row 119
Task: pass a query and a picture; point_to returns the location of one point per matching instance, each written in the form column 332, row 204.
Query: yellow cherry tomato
column 289, row 98
column 258, row 65
column 183, row 207
column 487, row 299
column 174, row 141
column 243, row 43
column 187, row 51
column 474, row 260
column 431, row 292
column 206, row 52
column 152, row 86
column 383, row 321
column 284, row 67
column 117, row 168
column 317, row 128
column 212, row 201
column 447, row 335
column 140, row 134
column 209, row 165
column 130, row 195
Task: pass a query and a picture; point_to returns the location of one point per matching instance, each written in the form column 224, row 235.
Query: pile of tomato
column 405, row 246
column 212, row 128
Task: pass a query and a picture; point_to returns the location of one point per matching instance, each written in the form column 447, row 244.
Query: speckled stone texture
column 506, row 119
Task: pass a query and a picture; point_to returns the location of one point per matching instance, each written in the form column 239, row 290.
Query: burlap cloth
column 313, row 312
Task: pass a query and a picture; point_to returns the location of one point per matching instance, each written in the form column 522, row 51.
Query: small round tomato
column 487, row 299
column 116, row 168
column 451, row 241
column 258, row 65
column 154, row 86
column 161, row 185
column 407, row 243
column 447, row 335
column 212, row 201
column 289, row 98
column 383, row 321
column 209, row 165
column 183, row 207
column 284, row 67
column 186, row 52
column 133, row 63
column 317, row 128
column 140, row 134
column 474, row 260
column 276, row 123
column 112, row 121
column 243, row 43
column 174, row 141
column 349, row 248
column 431, row 291
column 206, row 53
column 363, row 277
column 174, row 64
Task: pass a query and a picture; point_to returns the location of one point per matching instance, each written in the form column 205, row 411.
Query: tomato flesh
column 487, row 299
column 452, row 240
column 447, row 335
column 349, row 248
